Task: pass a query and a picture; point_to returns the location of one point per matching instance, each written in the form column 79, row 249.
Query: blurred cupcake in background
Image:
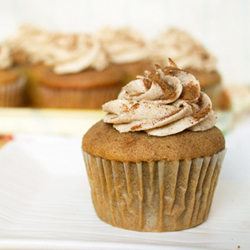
column 74, row 70
column 235, row 98
column 127, row 49
column 189, row 54
column 233, row 104
column 27, row 46
column 12, row 83
column 79, row 74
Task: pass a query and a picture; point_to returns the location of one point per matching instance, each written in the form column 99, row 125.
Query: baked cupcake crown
column 5, row 58
column 162, row 103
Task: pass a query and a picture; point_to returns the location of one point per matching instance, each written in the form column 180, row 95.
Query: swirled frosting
column 187, row 52
column 66, row 53
column 71, row 53
column 5, row 59
column 123, row 45
column 162, row 103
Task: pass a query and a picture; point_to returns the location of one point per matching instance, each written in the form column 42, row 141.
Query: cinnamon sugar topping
column 189, row 92
column 162, row 103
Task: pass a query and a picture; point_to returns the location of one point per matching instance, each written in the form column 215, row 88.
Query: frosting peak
column 123, row 45
column 162, row 103
column 186, row 51
column 70, row 53
column 5, row 59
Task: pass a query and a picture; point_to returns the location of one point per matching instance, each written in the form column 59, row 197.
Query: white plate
column 45, row 203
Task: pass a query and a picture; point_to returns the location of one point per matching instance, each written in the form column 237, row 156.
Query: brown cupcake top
column 206, row 79
column 102, row 140
column 9, row 76
column 86, row 79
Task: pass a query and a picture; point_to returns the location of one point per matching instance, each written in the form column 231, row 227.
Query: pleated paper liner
column 12, row 94
column 155, row 196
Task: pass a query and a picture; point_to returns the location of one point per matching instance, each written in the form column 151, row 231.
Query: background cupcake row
column 66, row 70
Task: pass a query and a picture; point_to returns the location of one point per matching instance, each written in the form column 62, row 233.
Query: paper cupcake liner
column 213, row 92
column 155, row 196
column 12, row 94
column 67, row 98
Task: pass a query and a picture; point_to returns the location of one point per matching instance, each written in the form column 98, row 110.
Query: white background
column 223, row 26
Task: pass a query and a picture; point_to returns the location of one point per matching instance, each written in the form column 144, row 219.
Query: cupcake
column 71, row 70
column 78, row 74
column 12, row 83
column 127, row 49
column 153, row 162
column 189, row 54
column 27, row 47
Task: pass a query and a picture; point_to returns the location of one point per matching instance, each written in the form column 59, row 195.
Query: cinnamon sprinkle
column 201, row 113
column 169, row 92
column 190, row 92
column 125, row 108
column 135, row 106
column 136, row 127
column 147, row 83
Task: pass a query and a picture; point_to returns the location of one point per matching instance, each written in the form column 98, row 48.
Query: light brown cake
column 12, row 82
column 154, row 162
column 27, row 47
column 103, row 141
column 86, row 89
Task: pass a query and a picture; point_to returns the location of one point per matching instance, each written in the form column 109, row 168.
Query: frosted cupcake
column 78, row 75
column 191, row 55
column 154, row 161
column 74, row 70
column 27, row 45
column 12, row 83
column 127, row 49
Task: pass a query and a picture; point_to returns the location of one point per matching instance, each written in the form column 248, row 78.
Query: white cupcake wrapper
column 153, row 196
column 12, row 94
